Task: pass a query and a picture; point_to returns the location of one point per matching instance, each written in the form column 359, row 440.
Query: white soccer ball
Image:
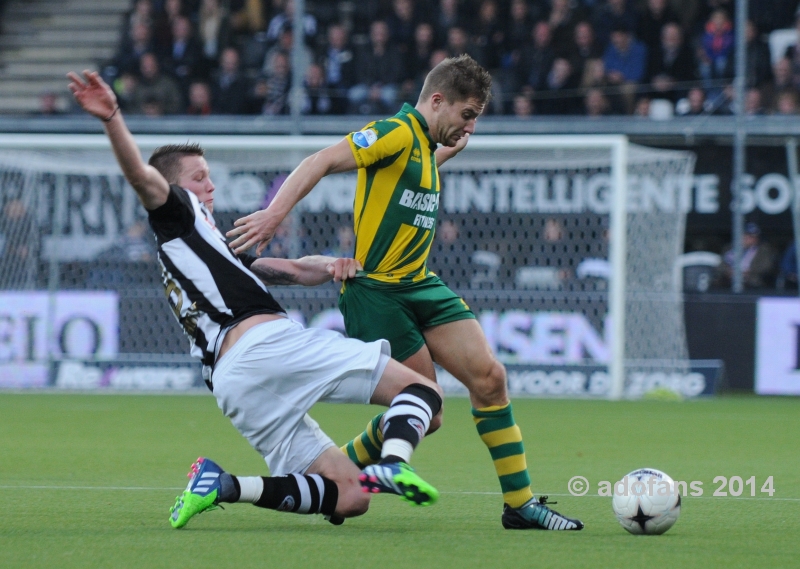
column 646, row 502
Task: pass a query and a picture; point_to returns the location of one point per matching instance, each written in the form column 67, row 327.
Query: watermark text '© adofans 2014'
column 723, row 486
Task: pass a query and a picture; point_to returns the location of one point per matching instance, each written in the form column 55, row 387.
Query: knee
column 352, row 501
column 436, row 423
column 492, row 387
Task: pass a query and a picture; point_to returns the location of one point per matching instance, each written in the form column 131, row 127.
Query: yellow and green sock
column 503, row 438
column 365, row 449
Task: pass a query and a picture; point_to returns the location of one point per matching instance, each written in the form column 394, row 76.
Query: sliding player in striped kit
column 265, row 370
column 397, row 297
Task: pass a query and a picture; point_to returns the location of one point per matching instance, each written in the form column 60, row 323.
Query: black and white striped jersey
column 208, row 287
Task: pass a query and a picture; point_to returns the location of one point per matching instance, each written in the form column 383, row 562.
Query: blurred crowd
column 653, row 58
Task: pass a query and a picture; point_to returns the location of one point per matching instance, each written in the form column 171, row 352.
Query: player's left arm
column 307, row 271
column 445, row 153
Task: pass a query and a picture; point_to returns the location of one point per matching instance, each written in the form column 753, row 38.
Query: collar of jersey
column 409, row 110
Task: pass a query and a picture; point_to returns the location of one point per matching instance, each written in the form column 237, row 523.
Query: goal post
column 563, row 246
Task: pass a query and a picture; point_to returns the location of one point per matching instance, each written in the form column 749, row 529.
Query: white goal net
column 564, row 247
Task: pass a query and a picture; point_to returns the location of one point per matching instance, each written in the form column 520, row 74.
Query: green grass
column 87, row 481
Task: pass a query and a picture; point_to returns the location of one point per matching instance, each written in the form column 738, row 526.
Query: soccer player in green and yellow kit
column 397, row 297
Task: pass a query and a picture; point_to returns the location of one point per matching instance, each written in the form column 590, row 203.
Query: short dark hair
column 458, row 79
column 167, row 159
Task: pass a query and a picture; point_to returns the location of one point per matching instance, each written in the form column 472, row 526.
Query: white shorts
column 267, row 382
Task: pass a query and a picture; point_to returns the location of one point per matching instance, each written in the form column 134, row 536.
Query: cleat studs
column 365, row 490
column 362, row 477
column 373, row 479
column 375, row 490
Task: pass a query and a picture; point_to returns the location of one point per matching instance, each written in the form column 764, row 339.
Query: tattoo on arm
column 273, row 276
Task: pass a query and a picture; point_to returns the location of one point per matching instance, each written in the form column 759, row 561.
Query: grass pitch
column 87, row 481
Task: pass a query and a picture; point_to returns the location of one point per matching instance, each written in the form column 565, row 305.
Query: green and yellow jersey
column 397, row 196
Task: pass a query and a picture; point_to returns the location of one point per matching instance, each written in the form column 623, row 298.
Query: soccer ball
column 646, row 502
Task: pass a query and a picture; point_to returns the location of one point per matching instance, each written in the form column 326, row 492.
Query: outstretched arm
column 97, row 99
column 258, row 228
column 445, row 153
column 307, row 271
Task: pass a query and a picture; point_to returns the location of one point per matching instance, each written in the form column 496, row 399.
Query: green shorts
column 399, row 312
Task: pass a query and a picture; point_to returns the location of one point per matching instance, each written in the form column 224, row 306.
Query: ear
column 436, row 101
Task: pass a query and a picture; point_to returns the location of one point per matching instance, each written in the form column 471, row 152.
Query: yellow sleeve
column 379, row 140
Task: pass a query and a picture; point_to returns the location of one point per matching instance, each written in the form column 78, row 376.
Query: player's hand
column 256, row 229
column 93, row 94
column 343, row 268
column 461, row 144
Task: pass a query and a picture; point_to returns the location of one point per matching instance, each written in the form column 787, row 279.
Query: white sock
column 397, row 447
column 251, row 488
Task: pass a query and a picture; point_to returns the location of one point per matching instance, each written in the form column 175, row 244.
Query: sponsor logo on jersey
column 420, row 201
column 416, row 155
column 365, row 138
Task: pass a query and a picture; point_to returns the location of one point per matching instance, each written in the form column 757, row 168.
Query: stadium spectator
column 155, row 91
column 793, row 51
column 694, row 104
column 345, row 242
column 213, row 29
column 559, row 90
column 656, row 15
column 447, row 15
column 286, row 18
column 518, row 32
column 758, row 261
column 141, row 13
column 247, row 17
column 754, row 102
column 19, row 246
column 488, row 34
column 199, row 99
column 671, row 64
column 759, row 64
column 642, row 107
column 228, row 85
column 562, row 19
column 184, row 59
column 418, row 61
column 367, row 12
column 625, row 60
column 458, row 42
column 338, row 61
column 786, row 102
column 271, row 93
column 596, row 103
column 124, row 88
column 584, row 47
column 613, row 14
column 715, row 56
column 536, row 60
column 402, row 25
column 162, row 24
column 285, row 46
column 522, row 106
column 379, row 70
column 787, row 275
column 316, row 100
column 49, row 105
column 130, row 52
column 134, row 246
